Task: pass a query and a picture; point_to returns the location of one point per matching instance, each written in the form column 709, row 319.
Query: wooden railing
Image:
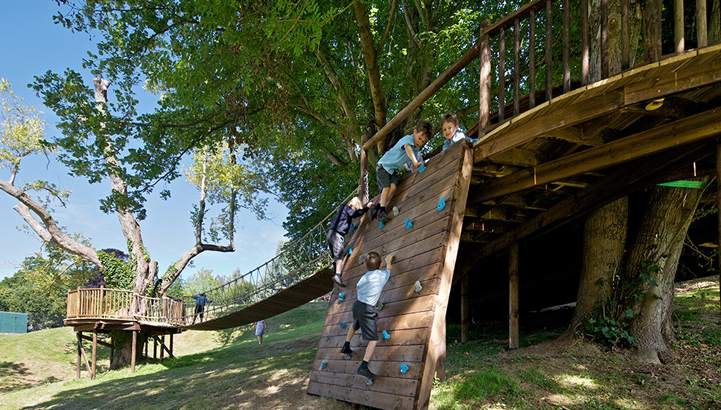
column 104, row 303
column 500, row 100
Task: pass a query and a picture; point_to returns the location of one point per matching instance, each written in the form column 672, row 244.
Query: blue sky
column 30, row 45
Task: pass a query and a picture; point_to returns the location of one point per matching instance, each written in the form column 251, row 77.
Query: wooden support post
column 80, row 346
column 718, row 202
column 95, row 354
column 625, row 40
column 516, row 65
column 584, row 42
column 513, row 331
column 465, row 319
column 362, row 183
column 155, row 347
column 502, row 75
column 532, row 59
column 604, row 39
column 484, row 100
column 652, row 30
column 162, row 348
column 701, row 26
column 679, row 36
column 549, row 50
column 133, row 351
column 566, row 46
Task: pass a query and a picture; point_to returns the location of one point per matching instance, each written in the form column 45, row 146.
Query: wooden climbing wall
column 425, row 252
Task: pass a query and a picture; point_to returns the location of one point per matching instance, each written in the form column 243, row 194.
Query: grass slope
column 228, row 369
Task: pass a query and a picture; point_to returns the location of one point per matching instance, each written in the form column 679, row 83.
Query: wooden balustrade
column 104, row 303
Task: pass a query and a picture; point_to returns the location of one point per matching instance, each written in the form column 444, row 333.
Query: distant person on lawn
column 260, row 329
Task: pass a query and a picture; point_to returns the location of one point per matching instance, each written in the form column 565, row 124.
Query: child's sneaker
column 373, row 213
column 382, row 216
column 365, row 372
column 346, row 350
column 337, row 279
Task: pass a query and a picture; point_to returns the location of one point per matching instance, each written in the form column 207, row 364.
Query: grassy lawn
column 228, row 369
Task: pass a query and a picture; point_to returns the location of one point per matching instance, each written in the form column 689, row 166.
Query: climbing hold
column 323, row 365
column 409, row 224
column 418, row 287
column 340, row 295
column 404, row 368
column 386, row 335
column 379, row 305
column 352, row 227
column 421, row 168
column 395, row 211
column 350, row 251
column 381, row 224
column 342, row 325
column 441, row 204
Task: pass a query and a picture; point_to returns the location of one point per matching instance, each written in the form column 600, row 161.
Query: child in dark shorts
column 339, row 228
column 387, row 171
column 369, row 290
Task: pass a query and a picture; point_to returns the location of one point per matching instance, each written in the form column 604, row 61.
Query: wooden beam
column 484, row 98
column 465, row 305
column 679, row 36
column 80, row 346
column 100, row 342
column 518, row 157
column 677, row 133
column 574, row 114
column 701, row 26
column 619, row 183
column 513, row 329
column 718, row 201
column 133, row 351
column 95, row 354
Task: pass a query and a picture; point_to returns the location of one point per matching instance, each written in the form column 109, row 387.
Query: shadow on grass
column 214, row 380
column 15, row 376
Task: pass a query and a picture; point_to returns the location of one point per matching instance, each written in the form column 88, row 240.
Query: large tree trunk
column 646, row 285
column 123, row 342
column 604, row 239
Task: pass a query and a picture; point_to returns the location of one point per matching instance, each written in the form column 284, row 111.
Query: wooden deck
column 415, row 320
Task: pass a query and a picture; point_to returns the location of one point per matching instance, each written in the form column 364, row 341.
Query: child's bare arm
column 411, row 155
column 389, row 260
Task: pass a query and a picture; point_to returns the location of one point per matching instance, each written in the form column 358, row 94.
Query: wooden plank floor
column 415, row 320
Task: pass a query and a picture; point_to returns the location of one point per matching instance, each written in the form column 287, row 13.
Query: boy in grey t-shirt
column 364, row 316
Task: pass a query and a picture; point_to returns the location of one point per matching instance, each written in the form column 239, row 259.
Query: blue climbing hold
column 350, row 251
column 352, row 227
column 323, row 365
column 381, row 224
column 441, row 204
column 404, row 368
column 421, row 168
column 340, row 296
column 342, row 325
column 409, row 224
column 386, row 335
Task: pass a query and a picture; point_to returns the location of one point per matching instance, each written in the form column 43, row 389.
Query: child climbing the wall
column 364, row 316
column 339, row 228
column 449, row 127
column 392, row 161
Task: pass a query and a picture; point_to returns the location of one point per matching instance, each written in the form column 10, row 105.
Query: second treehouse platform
column 416, row 321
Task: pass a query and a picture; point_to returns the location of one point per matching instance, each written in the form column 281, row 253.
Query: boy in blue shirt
column 392, row 161
column 369, row 289
column 200, row 302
